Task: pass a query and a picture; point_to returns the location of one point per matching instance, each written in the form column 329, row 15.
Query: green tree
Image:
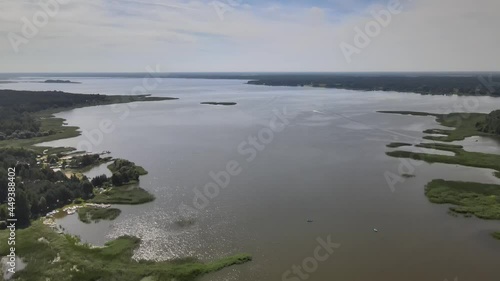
column 88, row 189
column 117, row 179
column 3, row 212
column 34, row 206
column 22, row 211
column 42, row 205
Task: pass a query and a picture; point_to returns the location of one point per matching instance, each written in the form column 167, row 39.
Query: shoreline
column 50, row 122
column 37, row 232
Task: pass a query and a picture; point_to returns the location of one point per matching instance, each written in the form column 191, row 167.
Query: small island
column 219, row 103
column 95, row 214
column 398, row 144
column 60, row 82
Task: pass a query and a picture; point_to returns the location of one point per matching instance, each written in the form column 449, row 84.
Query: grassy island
column 462, row 157
column 481, row 200
column 467, row 198
column 89, row 214
column 51, row 256
column 398, row 144
column 123, row 195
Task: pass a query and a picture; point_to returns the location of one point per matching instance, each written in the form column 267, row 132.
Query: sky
column 249, row 36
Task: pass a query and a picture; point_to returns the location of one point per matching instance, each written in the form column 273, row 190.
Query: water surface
column 328, row 165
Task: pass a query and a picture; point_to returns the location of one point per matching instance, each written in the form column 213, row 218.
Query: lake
column 310, row 164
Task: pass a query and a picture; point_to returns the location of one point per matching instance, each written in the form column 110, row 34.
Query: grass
column 442, row 146
column 461, row 157
column 64, row 258
column 47, row 123
column 88, row 215
column 127, row 194
column 464, row 124
column 398, row 144
column 481, row 200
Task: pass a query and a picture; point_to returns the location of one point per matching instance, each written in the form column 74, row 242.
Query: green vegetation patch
column 481, row 200
column 462, row 157
column 442, row 146
column 127, row 194
column 125, row 172
column 64, row 258
column 465, row 124
column 86, row 161
column 88, row 215
column 398, row 144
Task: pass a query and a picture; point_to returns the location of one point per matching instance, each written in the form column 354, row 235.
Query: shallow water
column 328, row 165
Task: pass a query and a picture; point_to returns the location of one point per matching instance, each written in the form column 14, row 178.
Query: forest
column 20, row 110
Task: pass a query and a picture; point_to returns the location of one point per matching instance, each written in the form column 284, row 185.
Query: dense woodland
column 38, row 188
column 17, row 107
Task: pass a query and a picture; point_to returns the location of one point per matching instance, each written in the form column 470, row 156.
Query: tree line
column 39, row 189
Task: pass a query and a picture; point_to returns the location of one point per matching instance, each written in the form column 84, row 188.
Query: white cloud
column 103, row 35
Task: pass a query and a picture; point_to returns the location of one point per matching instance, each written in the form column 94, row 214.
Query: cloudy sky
column 244, row 35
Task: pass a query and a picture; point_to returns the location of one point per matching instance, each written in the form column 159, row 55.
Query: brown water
column 327, row 165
